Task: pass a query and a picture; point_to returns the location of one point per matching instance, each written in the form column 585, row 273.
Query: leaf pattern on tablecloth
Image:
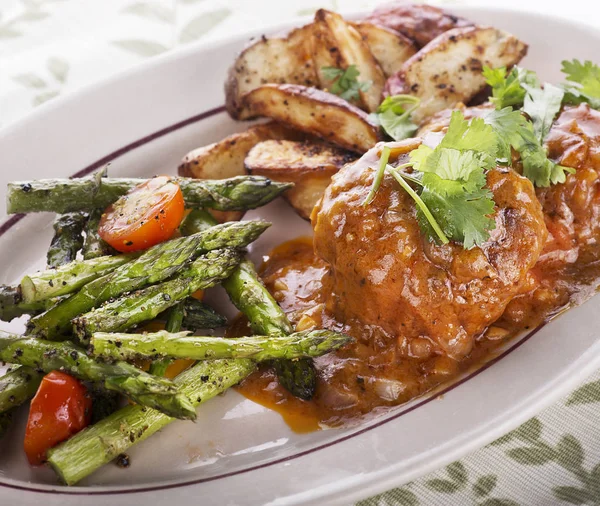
column 46, row 88
column 586, row 394
column 202, row 24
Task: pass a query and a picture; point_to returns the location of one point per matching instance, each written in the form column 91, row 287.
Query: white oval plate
column 238, row 452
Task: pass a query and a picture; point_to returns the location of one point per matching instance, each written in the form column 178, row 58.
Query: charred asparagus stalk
column 97, row 445
column 309, row 343
column 69, row 278
column 12, row 305
column 174, row 322
column 266, row 317
column 197, row 315
column 250, row 296
column 94, row 246
column 89, row 193
column 67, row 240
column 143, row 305
column 18, row 386
column 141, row 387
column 156, row 264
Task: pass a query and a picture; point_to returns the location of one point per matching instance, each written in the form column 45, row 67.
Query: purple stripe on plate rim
column 13, row 220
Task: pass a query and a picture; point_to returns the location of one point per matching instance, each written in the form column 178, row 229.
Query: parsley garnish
column 583, row 83
column 345, row 83
column 394, row 116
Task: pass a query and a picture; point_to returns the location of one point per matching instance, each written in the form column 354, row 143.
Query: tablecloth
column 52, row 47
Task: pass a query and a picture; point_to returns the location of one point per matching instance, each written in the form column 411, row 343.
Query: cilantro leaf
column 345, row 82
column 514, row 130
column 583, row 82
column 508, row 90
column 542, row 105
column 463, row 217
column 394, row 116
column 454, row 178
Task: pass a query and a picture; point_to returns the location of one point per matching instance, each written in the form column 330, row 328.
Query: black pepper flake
column 204, row 378
column 123, row 461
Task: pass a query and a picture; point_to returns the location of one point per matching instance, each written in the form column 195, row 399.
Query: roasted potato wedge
column 309, row 165
column 337, row 43
column 280, row 59
column 315, row 112
column 225, row 158
column 448, row 70
column 389, row 47
column 419, row 22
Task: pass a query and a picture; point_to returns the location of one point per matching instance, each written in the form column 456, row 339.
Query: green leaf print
column 569, row 453
column 44, row 97
column 202, row 24
column 151, row 10
column 457, row 472
column 484, row 485
column 499, row 502
column 536, row 455
column 58, row 68
column 141, row 47
column 586, row 394
column 30, row 81
column 530, row 431
column 395, row 497
column 443, row 486
column 572, row 495
column 593, row 483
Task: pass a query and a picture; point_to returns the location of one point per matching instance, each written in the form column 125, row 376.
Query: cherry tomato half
column 61, row 407
column 149, row 214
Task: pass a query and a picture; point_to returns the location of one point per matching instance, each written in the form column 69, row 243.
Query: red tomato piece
column 149, row 214
column 61, row 407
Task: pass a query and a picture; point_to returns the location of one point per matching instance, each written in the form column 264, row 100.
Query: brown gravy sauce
column 368, row 376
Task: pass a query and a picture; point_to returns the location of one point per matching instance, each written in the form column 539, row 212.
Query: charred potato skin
column 309, row 165
column 283, row 58
column 337, row 43
column 314, row 112
column 419, row 22
column 225, row 158
column 389, row 47
column 448, row 70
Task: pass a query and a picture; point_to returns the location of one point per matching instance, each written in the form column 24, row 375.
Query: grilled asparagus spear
column 67, row 240
column 94, row 246
column 156, row 264
column 17, row 386
column 309, row 343
column 174, row 322
column 197, row 315
column 97, row 445
column 143, row 305
column 69, row 278
column 85, row 194
column 250, row 296
column 139, row 386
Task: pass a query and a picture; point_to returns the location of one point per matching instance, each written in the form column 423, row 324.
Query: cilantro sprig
column 521, row 89
column 452, row 200
column 583, row 82
column 394, row 115
column 345, row 82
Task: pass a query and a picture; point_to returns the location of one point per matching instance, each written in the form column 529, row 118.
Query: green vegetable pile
column 86, row 314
